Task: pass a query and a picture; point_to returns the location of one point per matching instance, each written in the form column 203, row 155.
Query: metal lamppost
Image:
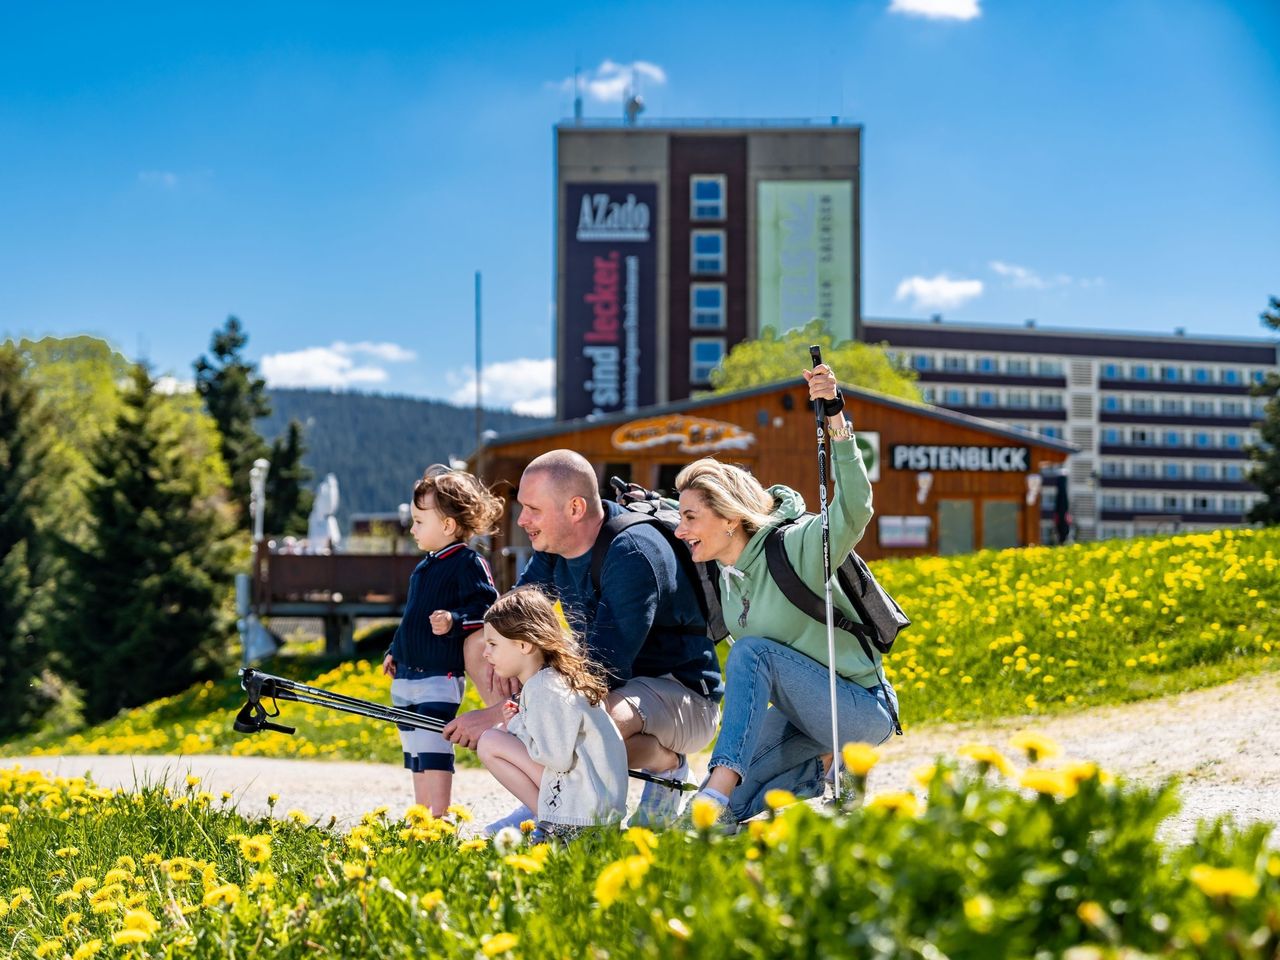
column 254, row 639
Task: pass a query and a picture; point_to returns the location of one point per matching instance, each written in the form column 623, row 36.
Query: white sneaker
column 513, row 819
column 659, row 806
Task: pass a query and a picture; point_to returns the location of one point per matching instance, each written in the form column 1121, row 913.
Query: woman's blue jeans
column 777, row 721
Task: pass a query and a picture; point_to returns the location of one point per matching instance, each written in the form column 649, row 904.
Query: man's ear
column 577, row 507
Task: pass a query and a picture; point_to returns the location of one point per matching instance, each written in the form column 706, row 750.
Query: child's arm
column 550, row 722
column 476, row 594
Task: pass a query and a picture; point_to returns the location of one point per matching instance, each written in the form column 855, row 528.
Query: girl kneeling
column 561, row 754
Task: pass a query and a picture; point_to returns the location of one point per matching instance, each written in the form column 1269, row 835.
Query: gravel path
column 1224, row 744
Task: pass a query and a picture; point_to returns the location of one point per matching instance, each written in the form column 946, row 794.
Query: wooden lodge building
column 944, row 482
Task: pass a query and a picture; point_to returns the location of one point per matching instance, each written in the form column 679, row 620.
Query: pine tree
column 235, row 397
column 1265, row 471
column 288, row 498
column 151, row 585
column 27, row 562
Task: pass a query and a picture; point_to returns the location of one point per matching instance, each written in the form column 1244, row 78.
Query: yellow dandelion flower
column 116, row 875
column 1053, row 783
column 1035, row 745
column 528, row 826
column 49, row 947
column 298, row 817
column 924, row 774
column 126, row 863
column 1224, row 881
column 432, row 899
column 67, row 852
column 193, row 781
column 985, row 756
column 522, row 862
column 87, row 949
column 70, row 920
column 151, row 859
column 776, row 799
column 476, row 843
column 354, row 871
column 125, row 937
column 627, row 872
column 499, row 943
column 896, row 801
column 256, row 849
column 704, row 813
column 859, row 758
column 461, row 813
column 646, row 841
column 141, row 920
column 228, row 893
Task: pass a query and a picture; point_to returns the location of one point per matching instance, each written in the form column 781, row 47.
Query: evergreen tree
column 289, row 499
column 773, row 358
column 27, row 565
column 235, row 396
column 151, row 585
column 1265, row 471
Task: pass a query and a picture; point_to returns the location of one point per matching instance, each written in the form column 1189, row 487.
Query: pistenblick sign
column 918, row 456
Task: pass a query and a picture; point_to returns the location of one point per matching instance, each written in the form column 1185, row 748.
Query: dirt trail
column 1223, row 743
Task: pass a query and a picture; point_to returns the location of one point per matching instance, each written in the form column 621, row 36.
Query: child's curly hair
column 527, row 614
column 460, row 496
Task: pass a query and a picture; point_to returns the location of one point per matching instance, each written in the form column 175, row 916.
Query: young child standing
column 561, row 754
column 449, row 592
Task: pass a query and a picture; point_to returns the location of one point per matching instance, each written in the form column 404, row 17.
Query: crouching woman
column 776, row 726
column 561, row 753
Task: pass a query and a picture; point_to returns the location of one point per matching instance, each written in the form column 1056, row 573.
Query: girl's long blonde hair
column 527, row 614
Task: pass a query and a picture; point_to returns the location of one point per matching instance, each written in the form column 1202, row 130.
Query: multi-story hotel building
column 1161, row 422
column 676, row 240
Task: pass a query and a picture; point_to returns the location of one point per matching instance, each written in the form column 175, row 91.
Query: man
column 644, row 626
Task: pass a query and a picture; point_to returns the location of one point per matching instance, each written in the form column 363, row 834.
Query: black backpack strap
column 614, row 525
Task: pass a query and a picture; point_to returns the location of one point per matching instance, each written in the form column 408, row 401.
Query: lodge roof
column 1001, row 430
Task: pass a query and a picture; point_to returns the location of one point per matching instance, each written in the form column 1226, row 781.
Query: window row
column 993, row 397
column 1179, row 406
column 1181, row 373
column 1200, row 439
column 1041, row 429
column 1123, row 531
column 966, row 363
column 1174, row 470
column 1177, row 502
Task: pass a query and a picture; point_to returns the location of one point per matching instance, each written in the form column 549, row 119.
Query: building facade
column 943, row 482
column 675, row 241
column 1161, row 423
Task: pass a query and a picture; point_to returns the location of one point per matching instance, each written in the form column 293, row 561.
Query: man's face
column 545, row 513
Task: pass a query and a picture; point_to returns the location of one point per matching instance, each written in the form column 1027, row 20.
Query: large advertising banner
column 610, row 298
column 805, row 254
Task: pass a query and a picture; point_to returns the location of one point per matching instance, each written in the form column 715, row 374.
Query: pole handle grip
column 815, row 354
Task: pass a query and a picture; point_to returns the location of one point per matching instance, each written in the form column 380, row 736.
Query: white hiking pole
column 815, row 353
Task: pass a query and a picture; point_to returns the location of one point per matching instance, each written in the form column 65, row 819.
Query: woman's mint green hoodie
column 755, row 606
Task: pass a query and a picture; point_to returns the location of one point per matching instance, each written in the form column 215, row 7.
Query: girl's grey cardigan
column 584, row 782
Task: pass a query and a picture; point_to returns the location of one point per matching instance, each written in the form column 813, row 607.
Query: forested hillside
column 377, row 446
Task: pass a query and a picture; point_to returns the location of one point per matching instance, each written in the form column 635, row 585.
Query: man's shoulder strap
column 609, row 531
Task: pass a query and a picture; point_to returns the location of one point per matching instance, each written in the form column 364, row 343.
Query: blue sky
column 334, row 174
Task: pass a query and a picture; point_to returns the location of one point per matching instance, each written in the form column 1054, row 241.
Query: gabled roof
column 1002, row 430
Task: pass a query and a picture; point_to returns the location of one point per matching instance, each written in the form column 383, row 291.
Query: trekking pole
column 819, row 412
column 258, row 686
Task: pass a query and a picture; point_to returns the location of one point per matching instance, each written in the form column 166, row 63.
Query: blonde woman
column 561, row 754
column 776, row 726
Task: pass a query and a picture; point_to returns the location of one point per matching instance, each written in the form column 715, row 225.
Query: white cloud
column 333, row 366
column 610, row 81
column 938, row 293
column 162, row 179
column 170, row 385
column 1024, row 278
column 524, row 385
column 938, row 9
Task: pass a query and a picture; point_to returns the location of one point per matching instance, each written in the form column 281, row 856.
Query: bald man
column 644, row 626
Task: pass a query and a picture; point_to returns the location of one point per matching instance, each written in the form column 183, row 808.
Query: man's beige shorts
column 678, row 718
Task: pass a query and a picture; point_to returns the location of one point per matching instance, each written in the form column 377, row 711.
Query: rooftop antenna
column 634, row 103
column 577, row 94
